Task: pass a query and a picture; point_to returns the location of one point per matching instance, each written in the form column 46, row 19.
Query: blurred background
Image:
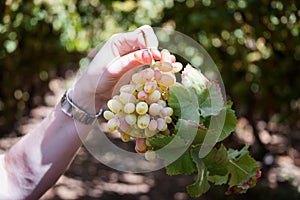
column 255, row 44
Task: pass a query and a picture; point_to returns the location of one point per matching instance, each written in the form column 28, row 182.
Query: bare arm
column 35, row 163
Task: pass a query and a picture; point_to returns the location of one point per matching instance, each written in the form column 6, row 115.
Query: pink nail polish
column 156, row 54
column 146, row 56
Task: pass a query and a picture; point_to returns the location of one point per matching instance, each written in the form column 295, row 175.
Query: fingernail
column 138, row 56
column 146, row 56
column 156, row 54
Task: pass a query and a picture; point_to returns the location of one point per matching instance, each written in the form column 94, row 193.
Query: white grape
column 137, row 78
column 166, row 79
column 127, row 98
column 154, row 97
column 166, row 111
column 161, row 124
column 165, row 67
column 168, row 119
column 127, row 88
column 125, row 137
column 162, row 103
column 142, row 95
column 114, row 105
column 152, row 125
column 129, row 108
column 148, row 74
column 141, row 107
column 113, row 124
column 108, row 115
column 155, row 109
column 150, row 155
column 149, row 133
column 149, row 87
column 130, row 119
column 143, row 121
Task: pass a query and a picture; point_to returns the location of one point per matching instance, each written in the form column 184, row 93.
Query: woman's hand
column 121, row 53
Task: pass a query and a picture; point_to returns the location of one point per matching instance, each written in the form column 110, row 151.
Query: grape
column 155, row 109
column 125, row 137
column 165, row 67
column 137, row 78
column 141, row 107
column 140, row 145
column 149, row 87
column 177, row 67
column 129, row 108
column 113, row 124
column 161, row 124
column 124, row 126
column 148, row 74
column 168, row 119
column 130, row 119
column 142, row 95
column 154, row 97
column 166, row 79
column 108, row 115
column 127, row 98
column 150, row 155
column 150, row 133
column 114, row 105
column 127, row 88
column 167, row 111
column 162, row 103
column 143, row 121
column 152, row 125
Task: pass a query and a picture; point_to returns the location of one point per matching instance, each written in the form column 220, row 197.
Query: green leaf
column 233, row 153
column 183, row 165
column 173, row 150
column 218, row 180
column 201, row 185
column 217, row 161
column 230, row 122
column 184, row 102
column 241, row 169
column 159, row 142
column 214, row 102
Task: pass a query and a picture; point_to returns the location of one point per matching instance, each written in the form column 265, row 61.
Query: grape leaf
column 160, row 141
column 241, row 169
column 229, row 123
column 218, row 180
column 184, row 102
column 214, row 102
column 217, row 161
column 201, row 185
column 183, row 165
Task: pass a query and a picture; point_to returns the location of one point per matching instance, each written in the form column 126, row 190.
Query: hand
column 121, row 53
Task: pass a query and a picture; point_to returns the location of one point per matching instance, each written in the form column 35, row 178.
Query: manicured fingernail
column 138, row 56
column 156, row 54
column 146, row 56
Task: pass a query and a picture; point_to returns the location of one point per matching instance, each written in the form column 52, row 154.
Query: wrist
column 90, row 102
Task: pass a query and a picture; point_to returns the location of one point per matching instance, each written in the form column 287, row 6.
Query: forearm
column 35, row 163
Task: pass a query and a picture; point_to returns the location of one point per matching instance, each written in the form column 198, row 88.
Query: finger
column 149, row 37
column 127, row 62
column 141, row 38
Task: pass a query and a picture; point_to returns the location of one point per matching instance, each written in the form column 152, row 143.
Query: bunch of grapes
column 140, row 110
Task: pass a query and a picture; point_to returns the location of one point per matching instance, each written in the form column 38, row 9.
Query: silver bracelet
column 72, row 110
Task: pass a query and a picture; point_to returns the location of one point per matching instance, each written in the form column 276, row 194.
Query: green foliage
column 255, row 47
